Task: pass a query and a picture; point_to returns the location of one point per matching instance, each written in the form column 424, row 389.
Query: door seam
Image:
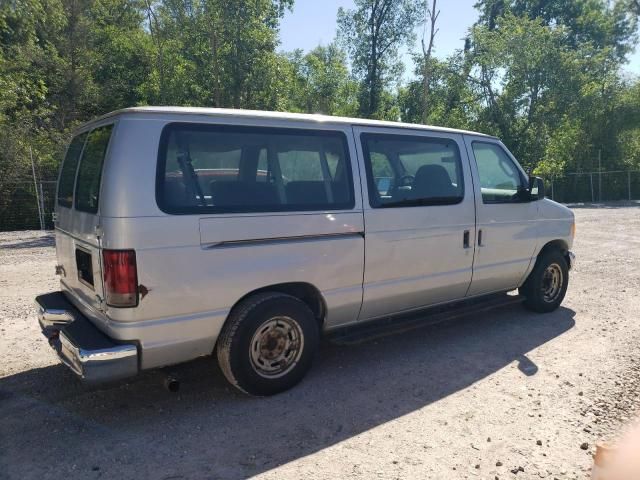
column 475, row 213
column 364, row 223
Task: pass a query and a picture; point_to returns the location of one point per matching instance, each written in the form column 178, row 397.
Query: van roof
column 301, row 117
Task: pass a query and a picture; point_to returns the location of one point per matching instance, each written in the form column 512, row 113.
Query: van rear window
column 90, row 171
column 234, row 169
column 68, row 171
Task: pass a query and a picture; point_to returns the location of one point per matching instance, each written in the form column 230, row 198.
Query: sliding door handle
column 465, row 239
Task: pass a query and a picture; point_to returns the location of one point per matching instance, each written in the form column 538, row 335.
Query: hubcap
column 552, row 280
column 276, row 347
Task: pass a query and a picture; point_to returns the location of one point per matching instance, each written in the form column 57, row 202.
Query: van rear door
column 78, row 219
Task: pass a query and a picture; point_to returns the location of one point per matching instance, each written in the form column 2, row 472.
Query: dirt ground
column 484, row 397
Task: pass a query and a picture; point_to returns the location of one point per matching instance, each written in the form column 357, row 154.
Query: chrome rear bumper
column 89, row 353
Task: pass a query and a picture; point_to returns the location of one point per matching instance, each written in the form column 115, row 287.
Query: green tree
column 322, row 82
column 372, row 34
column 585, row 20
column 628, row 118
column 218, row 53
column 28, row 59
column 547, row 73
column 430, row 20
column 122, row 53
column 453, row 101
column 544, row 75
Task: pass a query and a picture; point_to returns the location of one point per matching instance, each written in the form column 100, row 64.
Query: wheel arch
column 557, row 244
column 560, row 245
column 304, row 291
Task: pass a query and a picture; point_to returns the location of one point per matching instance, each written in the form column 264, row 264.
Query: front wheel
column 546, row 285
column 267, row 344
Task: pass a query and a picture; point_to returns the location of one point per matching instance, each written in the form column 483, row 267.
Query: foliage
column 322, row 82
column 372, row 33
column 544, row 75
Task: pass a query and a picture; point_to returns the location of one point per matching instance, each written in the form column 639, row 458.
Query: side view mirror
column 536, row 188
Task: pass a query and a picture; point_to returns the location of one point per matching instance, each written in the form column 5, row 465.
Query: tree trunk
column 213, row 43
column 372, row 106
column 431, row 17
column 154, row 32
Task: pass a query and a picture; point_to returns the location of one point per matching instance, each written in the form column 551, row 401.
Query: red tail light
column 120, row 278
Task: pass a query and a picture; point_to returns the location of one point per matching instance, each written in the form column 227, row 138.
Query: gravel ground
column 506, row 394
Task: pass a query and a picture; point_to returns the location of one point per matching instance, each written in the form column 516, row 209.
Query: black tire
column 277, row 322
column 539, row 294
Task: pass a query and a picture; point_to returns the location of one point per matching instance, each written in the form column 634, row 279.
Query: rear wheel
column 268, row 343
column 546, row 285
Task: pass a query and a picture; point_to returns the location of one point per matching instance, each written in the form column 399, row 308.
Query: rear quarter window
column 237, row 169
column 68, row 171
column 90, row 170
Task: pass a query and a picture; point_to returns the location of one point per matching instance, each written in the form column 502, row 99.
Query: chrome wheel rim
column 276, row 347
column 552, row 280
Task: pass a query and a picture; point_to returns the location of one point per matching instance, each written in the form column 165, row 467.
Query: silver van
column 183, row 232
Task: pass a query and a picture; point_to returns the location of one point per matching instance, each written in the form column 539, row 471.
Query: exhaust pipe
column 172, row 383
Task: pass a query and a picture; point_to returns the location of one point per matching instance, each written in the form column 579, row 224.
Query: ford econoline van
column 183, row 232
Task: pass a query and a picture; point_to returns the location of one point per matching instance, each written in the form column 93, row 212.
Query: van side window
column 500, row 179
column 235, row 169
column 408, row 171
column 68, row 171
column 90, row 170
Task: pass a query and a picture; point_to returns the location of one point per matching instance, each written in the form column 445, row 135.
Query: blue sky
column 313, row 22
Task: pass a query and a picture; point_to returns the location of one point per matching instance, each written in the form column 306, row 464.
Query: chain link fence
column 29, row 204
column 591, row 187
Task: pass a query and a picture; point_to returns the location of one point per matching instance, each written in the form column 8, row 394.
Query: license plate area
column 84, row 265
